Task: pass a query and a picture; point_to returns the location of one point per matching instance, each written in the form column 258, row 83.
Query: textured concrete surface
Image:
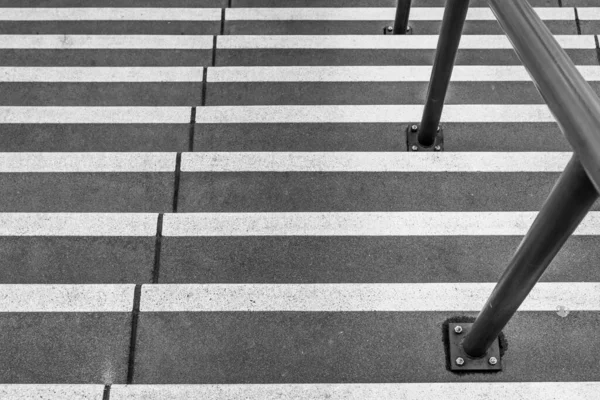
column 321, row 347
column 113, row 3
column 264, row 57
column 125, row 27
column 299, row 259
column 312, row 93
column 249, row 27
column 64, row 347
column 378, row 3
column 105, row 57
column 399, row 113
column 94, row 115
column 91, row 342
column 78, row 224
column 375, row 137
column 455, row 223
column 94, row 137
column 56, row 259
column 357, row 391
column 363, row 191
column 49, row 392
column 101, row 94
column 353, row 297
column 87, row 192
column 395, row 162
column 66, row 298
column 590, row 27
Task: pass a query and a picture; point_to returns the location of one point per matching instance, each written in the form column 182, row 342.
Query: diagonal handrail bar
column 572, row 101
column 576, row 108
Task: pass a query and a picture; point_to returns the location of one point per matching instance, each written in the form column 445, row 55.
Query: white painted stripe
column 375, row 14
column 69, row 42
column 361, row 224
column 588, row 13
column 110, row 14
column 373, row 162
column 51, row 392
column 87, row 162
column 101, row 74
column 66, row 298
column 358, row 297
column 371, row 113
column 407, row 73
column 95, row 115
column 378, row 42
column 364, row 391
column 78, row 224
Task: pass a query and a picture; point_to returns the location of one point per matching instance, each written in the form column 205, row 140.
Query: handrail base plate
column 412, row 141
column 470, row 364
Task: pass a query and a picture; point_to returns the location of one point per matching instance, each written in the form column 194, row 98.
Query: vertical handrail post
column 570, row 200
column 401, row 20
column 455, row 14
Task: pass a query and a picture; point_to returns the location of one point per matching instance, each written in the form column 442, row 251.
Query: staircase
column 211, row 199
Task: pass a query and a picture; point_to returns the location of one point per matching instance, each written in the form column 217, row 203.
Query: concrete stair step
column 329, row 50
column 384, row 391
column 345, row 333
column 106, row 50
column 111, row 20
column 386, row 3
column 341, row 85
column 300, row 251
column 371, row 20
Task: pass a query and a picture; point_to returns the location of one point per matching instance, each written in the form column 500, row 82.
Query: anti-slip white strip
column 66, row 298
column 360, row 224
column 346, row 297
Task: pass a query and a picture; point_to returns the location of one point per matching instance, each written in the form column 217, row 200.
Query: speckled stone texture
column 64, row 347
column 321, row 347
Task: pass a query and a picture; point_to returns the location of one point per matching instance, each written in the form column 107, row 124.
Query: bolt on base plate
column 460, row 361
column 412, row 141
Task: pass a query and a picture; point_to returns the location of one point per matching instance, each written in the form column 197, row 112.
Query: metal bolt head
column 458, row 329
column 460, row 361
column 414, row 128
column 414, row 148
column 390, row 28
column 439, row 148
column 493, row 361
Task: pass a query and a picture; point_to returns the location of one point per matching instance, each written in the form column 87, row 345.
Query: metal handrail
column 402, row 15
column 576, row 108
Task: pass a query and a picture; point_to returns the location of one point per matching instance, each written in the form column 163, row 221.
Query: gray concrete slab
column 114, row 3
column 87, row 192
column 590, row 27
column 94, row 137
column 64, row 347
column 76, row 260
column 109, row 94
column 162, row 27
column 101, row 57
column 579, row 3
column 249, row 27
column 323, row 347
column 361, row 259
column 375, row 137
column 330, row 57
column 340, row 93
column 373, row 3
column 363, row 191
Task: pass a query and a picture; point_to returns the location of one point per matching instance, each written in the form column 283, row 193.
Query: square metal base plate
column 470, row 364
column 412, row 141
